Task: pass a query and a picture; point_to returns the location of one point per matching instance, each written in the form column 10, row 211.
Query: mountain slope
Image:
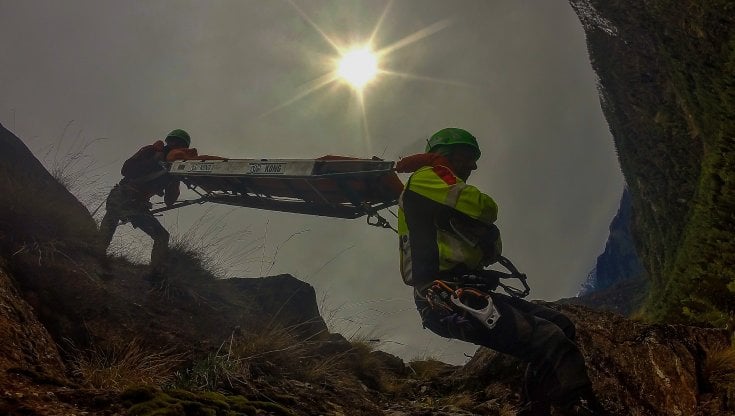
column 85, row 334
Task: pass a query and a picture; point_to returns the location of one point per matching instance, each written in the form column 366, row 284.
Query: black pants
column 533, row 333
column 124, row 204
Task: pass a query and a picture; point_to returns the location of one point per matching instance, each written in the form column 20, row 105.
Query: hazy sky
column 514, row 73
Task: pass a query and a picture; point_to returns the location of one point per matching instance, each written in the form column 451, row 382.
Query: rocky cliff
column 637, row 369
column 667, row 88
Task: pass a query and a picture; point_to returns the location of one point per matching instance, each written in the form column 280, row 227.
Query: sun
column 358, row 67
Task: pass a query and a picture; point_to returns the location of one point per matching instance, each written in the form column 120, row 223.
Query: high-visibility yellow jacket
column 444, row 224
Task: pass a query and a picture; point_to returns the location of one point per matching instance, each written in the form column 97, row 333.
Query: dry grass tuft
column 118, row 367
column 719, row 368
column 274, row 351
column 508, row 410
column 271, row 353
column 363, row 344
column 283, row 351
column 188, row 264
column 368, row 365
column 463, row 400
column 71, row 162
column 427, row 368
column 215, row 248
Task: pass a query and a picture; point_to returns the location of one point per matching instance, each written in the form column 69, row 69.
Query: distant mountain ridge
column 620, row 260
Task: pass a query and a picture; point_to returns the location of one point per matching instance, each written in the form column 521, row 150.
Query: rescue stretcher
column 331, row 186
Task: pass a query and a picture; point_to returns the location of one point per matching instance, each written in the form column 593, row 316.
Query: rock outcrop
column 26, row 346
column 636, row 369
column 36, row 211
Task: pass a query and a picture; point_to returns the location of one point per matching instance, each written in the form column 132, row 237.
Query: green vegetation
column 149, row 401
column 272, row 353
column 223, row 382
column 667, row 85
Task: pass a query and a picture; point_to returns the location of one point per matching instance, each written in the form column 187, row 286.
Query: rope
column 379, row 221
column 98, row 208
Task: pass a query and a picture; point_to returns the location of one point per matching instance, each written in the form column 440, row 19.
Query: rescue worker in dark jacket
column 144, row 175
column 447, row 232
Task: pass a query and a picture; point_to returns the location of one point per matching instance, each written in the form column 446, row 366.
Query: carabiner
column 488, row 316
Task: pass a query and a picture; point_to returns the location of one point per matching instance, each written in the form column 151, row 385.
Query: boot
column 156, row 277
column 535, row 408
column 535, row 400
column 105, row 270
column 584, row 405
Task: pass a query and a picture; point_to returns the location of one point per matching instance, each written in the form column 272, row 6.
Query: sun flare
column 358, row 67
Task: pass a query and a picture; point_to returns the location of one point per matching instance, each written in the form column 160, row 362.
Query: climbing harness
column 379, row 221
column 514, row 274
column 462, row 301
column 470, row 294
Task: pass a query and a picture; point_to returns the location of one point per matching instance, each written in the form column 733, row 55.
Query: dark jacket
column 144, row 175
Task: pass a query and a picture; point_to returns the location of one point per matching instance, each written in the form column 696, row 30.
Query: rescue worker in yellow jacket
column 143, row 177
column 447, row 232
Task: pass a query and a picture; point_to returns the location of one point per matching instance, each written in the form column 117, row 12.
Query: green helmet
column 181, row 135
column 452, row 136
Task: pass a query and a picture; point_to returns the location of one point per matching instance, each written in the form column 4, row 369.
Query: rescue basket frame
column 340, row 187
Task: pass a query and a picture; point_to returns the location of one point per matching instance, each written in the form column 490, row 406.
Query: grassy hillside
column 667, row 82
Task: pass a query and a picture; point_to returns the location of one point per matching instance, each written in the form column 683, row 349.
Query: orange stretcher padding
column 189, row 154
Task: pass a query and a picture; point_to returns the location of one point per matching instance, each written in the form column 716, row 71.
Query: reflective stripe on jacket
column 429, row 243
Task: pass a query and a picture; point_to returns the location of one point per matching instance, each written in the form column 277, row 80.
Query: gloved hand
column 456, row 320
column 492, row 280
column 484, row 277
